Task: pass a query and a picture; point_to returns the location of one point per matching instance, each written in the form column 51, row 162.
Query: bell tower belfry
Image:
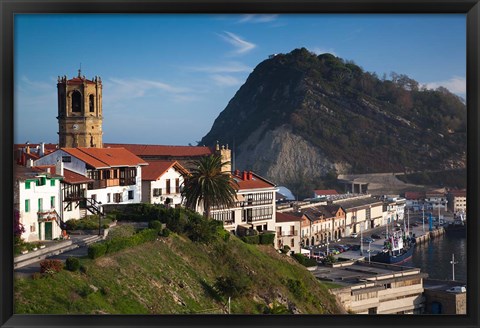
column 79, row 112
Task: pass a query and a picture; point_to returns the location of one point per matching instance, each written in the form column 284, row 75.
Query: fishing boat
column 458, row 226
column 397, row 249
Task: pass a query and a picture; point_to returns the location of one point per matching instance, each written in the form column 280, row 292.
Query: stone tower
column 80, row 112
column 225, row 155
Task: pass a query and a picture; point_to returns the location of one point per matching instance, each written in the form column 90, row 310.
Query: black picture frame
column 9, row 8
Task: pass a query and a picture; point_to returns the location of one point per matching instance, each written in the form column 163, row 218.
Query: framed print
column 245, row 163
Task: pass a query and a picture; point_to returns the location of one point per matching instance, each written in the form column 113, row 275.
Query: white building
column 116, row 173
column 287, row 228
column 457, row 201
column 162, row 182
column 436, row 200
column 255, row 205
column 37, row 200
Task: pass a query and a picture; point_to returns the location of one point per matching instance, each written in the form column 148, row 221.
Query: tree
column 208, row 185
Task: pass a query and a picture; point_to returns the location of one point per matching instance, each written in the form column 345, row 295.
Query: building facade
column 287, row 229
column 361, row 213
column 457, row 201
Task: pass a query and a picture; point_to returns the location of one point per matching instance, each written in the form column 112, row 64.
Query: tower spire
column 80, row 70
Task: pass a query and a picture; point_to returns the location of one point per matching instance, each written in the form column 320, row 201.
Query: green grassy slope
column 174, row 275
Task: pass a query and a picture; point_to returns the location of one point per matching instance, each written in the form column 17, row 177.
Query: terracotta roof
column 74, row 178
column 414, row 195
column 325, row 192
column 23, row 173
column 155, row 169
column 105, row 157
column 78, row 80
column 163, row 150
column 458, row 193
column 283, row 217
column 253, row 182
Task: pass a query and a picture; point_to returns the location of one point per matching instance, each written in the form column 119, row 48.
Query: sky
column 166, row 77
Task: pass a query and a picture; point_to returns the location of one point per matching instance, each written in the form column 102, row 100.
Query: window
column 94, row 197
column 66, row 159
column 27, row 205
column 92, row 108
column 27, row 184
column 76, row 102
column 108, row 198
column 130, row 194
column 157, row 192
column 177, row 185
column 41, row 181
column 32, row 227
column 117, row 197
column 115, row 174
column 168, row 186
column 52, row 182
column 52, row 202
column 68, row 208
column 40, row 204
column 292, row 242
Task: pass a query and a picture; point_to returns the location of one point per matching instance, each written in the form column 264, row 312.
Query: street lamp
column 423, row 218
column 369, row 251
column 452, row 262
column 361, row 239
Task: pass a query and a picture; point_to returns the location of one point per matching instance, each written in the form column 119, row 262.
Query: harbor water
column 434, row 257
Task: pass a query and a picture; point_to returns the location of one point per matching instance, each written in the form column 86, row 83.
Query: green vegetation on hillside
column 183, row 273
column 456, row 179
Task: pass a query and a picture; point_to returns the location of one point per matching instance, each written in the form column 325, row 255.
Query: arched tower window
column 76, row 102
column 92, row 109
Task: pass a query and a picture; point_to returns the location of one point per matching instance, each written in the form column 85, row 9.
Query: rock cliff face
column 284, row 157
column 301, row 116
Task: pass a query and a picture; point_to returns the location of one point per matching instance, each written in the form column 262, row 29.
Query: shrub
column 223, row 234
column 72, row 264
column 166, row 232
column 267, row 238
column 232, row 286
column 97, row 250
column 155, row 224
column 297, row 288
column 285, row 249
column 303, row 260
column 251, row 239
column 37, row 275
column 51, row 266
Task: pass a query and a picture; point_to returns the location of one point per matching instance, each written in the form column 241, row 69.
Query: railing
column 98, row 184
column 259, row 218
column 128, row 181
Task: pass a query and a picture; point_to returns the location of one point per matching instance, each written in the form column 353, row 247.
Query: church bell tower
column 79, row 112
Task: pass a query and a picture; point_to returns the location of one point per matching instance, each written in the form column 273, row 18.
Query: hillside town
column 82, row 176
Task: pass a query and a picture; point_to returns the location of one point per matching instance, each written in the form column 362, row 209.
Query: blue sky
column 167, row 77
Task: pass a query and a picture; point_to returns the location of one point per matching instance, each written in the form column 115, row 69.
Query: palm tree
column 208, row 185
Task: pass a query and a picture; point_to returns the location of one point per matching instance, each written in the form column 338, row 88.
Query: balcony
column 287, row 233
column 128, row 181
column 47, row 215
column 97, row 184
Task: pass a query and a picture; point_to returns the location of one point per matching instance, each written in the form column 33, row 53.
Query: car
column 375, row 236
column 414, row 224
column 354, row 235
column 368, row 240
column 457, row 289
column 355, row 247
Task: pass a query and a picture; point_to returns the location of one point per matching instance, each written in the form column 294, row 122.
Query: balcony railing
column 128, row 181
column 98, row 184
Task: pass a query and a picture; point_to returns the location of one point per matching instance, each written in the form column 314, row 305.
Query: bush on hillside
column 267, row 238
column 232, row 286
column 51, row 266
column 72, row 264
column 303, row 260
column 97, row 250
column 156, row 224
column 255, row 240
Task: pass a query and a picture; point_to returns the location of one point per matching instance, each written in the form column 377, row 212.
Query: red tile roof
column 458, row 193
column 105, row 157
column 414, row 195
column 253, row 182
column 162, row 150
column 155, row 169
column 325, row 192
column 74, row 178
column 283, row 217
column 78, row 80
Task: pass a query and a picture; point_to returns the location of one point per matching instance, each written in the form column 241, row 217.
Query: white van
column 457, row 289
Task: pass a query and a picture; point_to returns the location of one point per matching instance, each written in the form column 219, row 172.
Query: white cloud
column 255, row 18
column 242, row 46
column 232, row 67
column 456, row 84
column 226, row 80
column 320, row 51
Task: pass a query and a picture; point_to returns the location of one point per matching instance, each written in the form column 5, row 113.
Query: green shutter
column 40, row 204
column 27, row 205
column 27, row 184
column 52, row 202
column 52, row 182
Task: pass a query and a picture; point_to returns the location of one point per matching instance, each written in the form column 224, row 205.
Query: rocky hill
column 300, row 116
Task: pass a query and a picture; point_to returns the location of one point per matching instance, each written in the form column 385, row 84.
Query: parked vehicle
column 354, row 235
column 368, row 240
column 457, row 289
column 375, row 236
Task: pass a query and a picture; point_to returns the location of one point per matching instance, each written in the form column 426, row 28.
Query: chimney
column 59, row 167
column 29, row 162
column 42, row 149
column 27, row 148
column 48, row 170
column 244, row 176
column 250, row 175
